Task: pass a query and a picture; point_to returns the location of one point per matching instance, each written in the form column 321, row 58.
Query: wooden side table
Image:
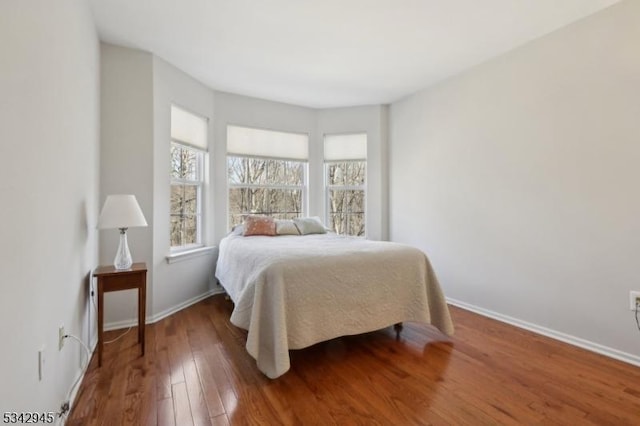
column 112, row 279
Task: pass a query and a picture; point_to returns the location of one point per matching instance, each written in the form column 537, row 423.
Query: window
column 265, row 186
column 345, row 180
column 188, row 144
column 266, row 173
column 186, row 195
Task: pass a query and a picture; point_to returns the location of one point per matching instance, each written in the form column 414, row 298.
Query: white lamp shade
column 121, row 211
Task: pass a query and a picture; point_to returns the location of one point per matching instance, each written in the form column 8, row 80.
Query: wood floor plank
column 163, row 374
column 163, row 370
column 181, row 406
column 221, row 420
column 177, row 348
column 197, row 371
column 197, row 402
column 209, row 386
column 228, row 396
column 165, row 413
column 202, row 338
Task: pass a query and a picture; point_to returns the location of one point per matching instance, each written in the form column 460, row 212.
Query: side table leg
column 142, row 298
column 100, row 320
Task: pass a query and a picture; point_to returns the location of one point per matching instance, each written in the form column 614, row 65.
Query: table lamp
column 122, row 212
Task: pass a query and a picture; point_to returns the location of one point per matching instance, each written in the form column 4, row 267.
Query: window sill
column 188, row 254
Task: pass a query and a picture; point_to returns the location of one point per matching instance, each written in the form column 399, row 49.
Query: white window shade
column 345, row 147
column 188, row 128
column 251, row 142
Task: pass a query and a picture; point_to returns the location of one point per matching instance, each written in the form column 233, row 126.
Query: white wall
column 49, row 191
column 520, row 180
column 126, row 161
column 189, row 279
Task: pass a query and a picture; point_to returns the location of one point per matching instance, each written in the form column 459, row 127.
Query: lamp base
column 123, row 255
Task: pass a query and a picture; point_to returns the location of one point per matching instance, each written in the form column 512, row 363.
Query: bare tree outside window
column 346, row 196
column 186, row 186
column 265, row 186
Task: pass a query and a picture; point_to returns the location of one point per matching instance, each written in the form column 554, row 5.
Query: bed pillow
column 259, row 225
column 310, row 225
column 286, row 227
column 237, row 230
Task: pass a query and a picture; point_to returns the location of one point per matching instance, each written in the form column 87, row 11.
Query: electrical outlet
column 61, row 335
column 634, row 300
column 41, row 363
column 64, row 408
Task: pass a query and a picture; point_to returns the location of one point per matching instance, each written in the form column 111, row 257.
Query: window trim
column 199, row 184
column 179, row 256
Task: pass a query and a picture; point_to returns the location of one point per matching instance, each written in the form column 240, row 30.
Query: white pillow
column 237, row 230
column 286, row 227
column 310, row 225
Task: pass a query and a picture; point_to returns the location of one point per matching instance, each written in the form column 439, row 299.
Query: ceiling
column 330, row 53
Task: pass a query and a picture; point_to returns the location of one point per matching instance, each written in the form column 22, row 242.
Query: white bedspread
column 291, row 292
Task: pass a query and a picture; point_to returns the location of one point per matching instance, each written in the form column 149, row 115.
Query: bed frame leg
column 398, row 328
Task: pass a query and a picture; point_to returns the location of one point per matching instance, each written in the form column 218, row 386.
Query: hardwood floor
column 196, row 371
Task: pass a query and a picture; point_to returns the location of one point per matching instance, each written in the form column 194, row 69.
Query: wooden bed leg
column 398, row 328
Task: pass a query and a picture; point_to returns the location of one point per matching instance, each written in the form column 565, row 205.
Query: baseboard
column 557, row 335
column 160, row 315
column 132, row 322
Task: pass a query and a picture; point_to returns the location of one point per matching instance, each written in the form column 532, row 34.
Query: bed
column 291, row 292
